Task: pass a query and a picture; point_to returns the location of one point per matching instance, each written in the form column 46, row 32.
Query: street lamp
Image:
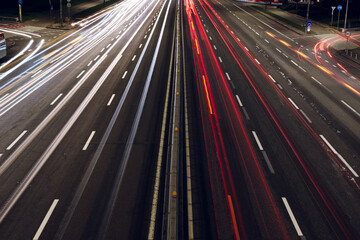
column 346, row 12
column 308, row 9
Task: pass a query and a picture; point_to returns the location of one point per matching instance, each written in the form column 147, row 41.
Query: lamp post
column 61, row 17
column 308, row 10
column 346, row 12
column 332, row 15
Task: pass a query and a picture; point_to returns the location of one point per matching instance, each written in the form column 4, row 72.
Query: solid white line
column 272, row 78
column 339, row 156
column 46, row 219
column 351, row 108
column 292, row 102
column 227, row 75
column 57, row 98
column 133, row 58
column 306, row 116
column 292, row 217
column 257, row 61
column 124, row 75
column 257, row 141
column 82, row 72
column 111, row 99
column 220, row 59
column 88, row 141
column 239, row 101
column 16, row 140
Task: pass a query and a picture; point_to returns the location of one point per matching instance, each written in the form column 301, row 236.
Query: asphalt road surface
column 88, row 127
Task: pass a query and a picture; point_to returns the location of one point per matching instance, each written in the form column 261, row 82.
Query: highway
column 194, row 119
column 281, row 126
column 74, row 116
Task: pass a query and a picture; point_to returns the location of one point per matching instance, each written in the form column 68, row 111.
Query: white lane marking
column 96, row 57
column 272, row 78
column 145, row 36
column 302, row 69
column 327, row 61
column 82, row 72
column 210, row 38
column 246, row 49
column 102, row 50
column 292, row 102
column 124, row 75
column 55, row 100
column 215, row 47
column 246, row 114
column 279, row 86
column 46, row 219
column 266, row 40
column 316, row 80
column 220, row 59
column 334, row 66
column 238, row 39
column 306, row 116
column 278, row 50
column 239, row 101
column 90, row 63
column 285, row 55
column 133, row 58
column 257, row 141
column 111, row 99
column 117, row 36
column 351, row 108
column 88, row 141
column 292, row 217
column 207, row 30
column 16, row 140
column 140, row 45
column 108, row 45
column 257, row 61
column 267, row 160
column 339, row 156
column 294, row 63
column 227, row 75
